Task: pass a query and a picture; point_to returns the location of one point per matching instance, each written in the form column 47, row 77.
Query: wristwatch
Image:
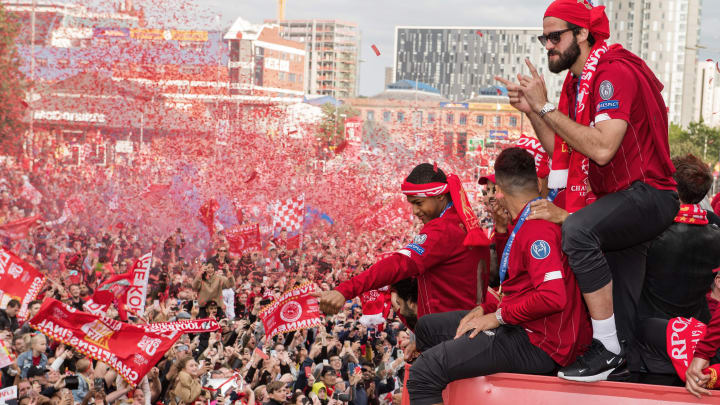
column 498, row 315
column 548, row 107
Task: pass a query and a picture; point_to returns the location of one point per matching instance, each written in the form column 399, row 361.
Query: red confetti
column 375, row 48
column 499, row 92
column 340, row 148
column 435, row 168
column 479, row 33
column 709, row 60
column 252, row 177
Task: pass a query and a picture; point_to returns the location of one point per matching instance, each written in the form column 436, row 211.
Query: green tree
column 699, row 140
column 12, row 86
column 332, row 126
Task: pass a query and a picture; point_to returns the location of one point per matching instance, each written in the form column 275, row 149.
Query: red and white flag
column 294, row 310
column 138, row 288
column 289, row 214
column 18, row 280
column 129, row 349
column 111, row 291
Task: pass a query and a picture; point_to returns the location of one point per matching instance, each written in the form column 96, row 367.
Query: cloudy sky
column 378, row 18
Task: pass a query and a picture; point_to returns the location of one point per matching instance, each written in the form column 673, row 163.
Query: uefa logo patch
column 540, row 249
column 420, row 239
column 606, row 90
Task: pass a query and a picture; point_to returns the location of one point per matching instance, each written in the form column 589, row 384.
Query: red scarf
column 475, row 235
column 570, row 168
column 691, row 214
column 682, row 336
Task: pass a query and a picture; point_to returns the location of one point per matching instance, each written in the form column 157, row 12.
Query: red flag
column 207, row 215
column 111, row 291
column 186, row 326
column 19, row 229
column 479, row 32
column 18, row 280
column 129, row 349
column 293, row 243
column 295, row 309
column 138, row 289
column 376, row 50
column 242, row 238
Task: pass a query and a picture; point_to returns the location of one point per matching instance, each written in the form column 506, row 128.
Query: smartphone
column 308, row 372
column 99, row 384
column 326, row 362
column 351, row 368
column 273, row 353
column 195, row 303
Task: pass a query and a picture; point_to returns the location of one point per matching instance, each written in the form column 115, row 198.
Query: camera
column 99, row 384
column 341, row 397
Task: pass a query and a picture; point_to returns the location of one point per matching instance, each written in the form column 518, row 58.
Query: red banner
column 293, row 310
column 129, row 349
column 19, row 229
column 111, row 291
column 187, row 326
column 18, row 280
column 242, row 238
column 139, row 284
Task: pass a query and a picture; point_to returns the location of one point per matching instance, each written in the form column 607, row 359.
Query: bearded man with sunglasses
column 609, row 131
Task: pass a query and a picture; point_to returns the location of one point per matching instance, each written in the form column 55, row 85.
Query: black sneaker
column 595, row 365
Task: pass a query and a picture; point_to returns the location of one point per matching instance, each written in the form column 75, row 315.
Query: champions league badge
column 420, row 239
column 540, row 249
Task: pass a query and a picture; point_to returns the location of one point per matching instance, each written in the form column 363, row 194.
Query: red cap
column 583, row 14
column 489, row 178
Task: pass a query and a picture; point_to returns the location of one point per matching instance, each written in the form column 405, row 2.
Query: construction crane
column 281, row 10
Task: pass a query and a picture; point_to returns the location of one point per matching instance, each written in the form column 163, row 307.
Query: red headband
column 583, row 14
column 424, row 190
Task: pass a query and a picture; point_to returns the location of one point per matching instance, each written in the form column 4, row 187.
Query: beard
column 566, row 59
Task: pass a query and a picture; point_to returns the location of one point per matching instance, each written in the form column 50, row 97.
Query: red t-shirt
column 617, row 95
column 540, row 293
column 447, row 272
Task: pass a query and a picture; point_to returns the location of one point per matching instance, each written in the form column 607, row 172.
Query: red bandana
column 475, row 235
column 691, row 214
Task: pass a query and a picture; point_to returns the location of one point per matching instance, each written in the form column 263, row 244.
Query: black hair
column 576, row 30
column 327, row 370
column 693, row 178
column 13, row 303
column 406, row 289
column 426, row 173
column 515, row 170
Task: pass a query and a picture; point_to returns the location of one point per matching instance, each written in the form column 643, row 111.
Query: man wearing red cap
column 609, row 131
column 449, row 257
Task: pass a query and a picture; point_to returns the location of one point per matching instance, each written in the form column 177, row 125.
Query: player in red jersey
column 539, row 324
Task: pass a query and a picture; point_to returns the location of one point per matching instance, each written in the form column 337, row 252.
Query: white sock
column 605, row 332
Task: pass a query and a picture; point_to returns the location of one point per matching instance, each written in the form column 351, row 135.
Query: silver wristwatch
column 498, row 315
column 548, row 107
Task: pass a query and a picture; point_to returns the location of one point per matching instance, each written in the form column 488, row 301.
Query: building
column 459, row 61
column 665, row 34
column 263, row 63
column 707, row 94
column 417, row 116
column 333, row 49
column 389, row 76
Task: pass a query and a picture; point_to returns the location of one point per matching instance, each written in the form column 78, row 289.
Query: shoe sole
column 591, row 378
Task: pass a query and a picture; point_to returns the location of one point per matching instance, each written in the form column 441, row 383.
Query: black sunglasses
column 553, row 37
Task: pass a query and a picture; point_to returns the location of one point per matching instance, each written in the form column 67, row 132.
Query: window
column 292, row 77
column 281, row 76
column 417, row 119
column 401, row 116
column 431, row 118
column 450, row 119
column 387, row 116
column 480, row 119
column 371, row 115
column 498, row 119
column 463, row 119
column 513, row 121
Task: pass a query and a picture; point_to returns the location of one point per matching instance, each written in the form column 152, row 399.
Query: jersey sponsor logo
column 540, row 249
column 420, row 239
column 608, row 105
column 606, row 90
column 415, row 248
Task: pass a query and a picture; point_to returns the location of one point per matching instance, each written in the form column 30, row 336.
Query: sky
column 377, row 20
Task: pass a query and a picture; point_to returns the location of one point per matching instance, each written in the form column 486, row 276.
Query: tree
column 12, row 87
column 332, row 126
column 699, row 140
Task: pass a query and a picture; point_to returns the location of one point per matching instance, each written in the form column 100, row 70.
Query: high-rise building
column 460, row 61
column 707, row 94
column 389, row 76
column 333, row 54
column 665, row 34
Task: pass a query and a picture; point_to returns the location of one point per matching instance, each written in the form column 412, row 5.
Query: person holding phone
column 209, row 285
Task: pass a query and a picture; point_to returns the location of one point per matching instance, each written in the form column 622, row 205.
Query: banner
column 128, row 349
column 111, row 291
column 7, row 394
column 19, row 229
column 6, row 357
column 186, row 326
column 242, row 238
column 138, row 288
column 18, row 280
column 293, row 310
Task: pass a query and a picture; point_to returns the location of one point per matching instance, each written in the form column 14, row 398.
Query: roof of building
column 412, row 85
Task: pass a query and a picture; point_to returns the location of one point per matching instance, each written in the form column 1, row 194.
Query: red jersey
column 710, row 343
column 540, row 292
column 621, row 91
column 449, row 274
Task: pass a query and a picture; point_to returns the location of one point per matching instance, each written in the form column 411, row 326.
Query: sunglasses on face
column 553, row 37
